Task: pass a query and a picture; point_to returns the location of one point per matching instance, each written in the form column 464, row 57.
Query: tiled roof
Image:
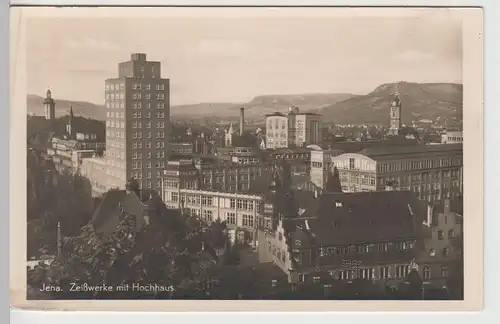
column 349, row 218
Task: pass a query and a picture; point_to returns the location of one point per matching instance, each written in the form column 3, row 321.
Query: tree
column 151, row 255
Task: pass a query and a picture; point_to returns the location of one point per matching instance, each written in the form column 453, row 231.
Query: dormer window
column 432, row 252
column 298, row 243
column 338, row 204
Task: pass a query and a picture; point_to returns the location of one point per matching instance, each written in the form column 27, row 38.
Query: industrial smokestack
column 59, row 241
column 242, row 120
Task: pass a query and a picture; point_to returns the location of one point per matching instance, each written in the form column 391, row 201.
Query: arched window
column 427, row 273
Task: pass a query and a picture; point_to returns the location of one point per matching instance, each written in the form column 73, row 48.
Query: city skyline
column 207, row 58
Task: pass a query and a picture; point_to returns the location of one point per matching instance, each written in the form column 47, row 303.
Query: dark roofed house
column 143, row 204
column 364, row 235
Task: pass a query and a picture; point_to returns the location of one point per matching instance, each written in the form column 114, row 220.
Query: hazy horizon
column 235, row 59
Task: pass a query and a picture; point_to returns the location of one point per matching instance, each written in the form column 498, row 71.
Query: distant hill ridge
column 419, row 100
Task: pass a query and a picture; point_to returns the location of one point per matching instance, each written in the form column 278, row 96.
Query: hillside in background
column 419, row 100
column 209, row 109
column 80, row 108
column 259, row 106
column 255, row 109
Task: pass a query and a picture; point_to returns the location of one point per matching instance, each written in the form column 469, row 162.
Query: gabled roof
column 107, row 215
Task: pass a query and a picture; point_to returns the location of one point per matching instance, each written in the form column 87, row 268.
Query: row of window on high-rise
column 147, row 114
column 139, row 135
column 147, row 144
column 120, row 104
column 135, row 86
column 138, row 124
column 148, row 155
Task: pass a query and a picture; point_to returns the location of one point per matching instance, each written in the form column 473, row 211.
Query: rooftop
column 391, row 152
column 349, row 218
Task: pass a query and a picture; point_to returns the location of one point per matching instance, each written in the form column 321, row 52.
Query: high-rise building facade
column 276, row 131
column 137, row 124
column 307, row 129
column 293, row 130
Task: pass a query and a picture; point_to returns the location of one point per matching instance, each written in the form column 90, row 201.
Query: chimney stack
column 242, row 120
column 59, row 241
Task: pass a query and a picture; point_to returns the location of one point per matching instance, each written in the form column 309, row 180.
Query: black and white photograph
column 262, row 156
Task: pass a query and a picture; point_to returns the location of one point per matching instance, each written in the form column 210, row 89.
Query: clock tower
column 395, row 114
column 49, row 106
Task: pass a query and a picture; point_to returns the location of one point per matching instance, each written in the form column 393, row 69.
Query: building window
column 206, row 201
column 440, row 235
column 175, row 197
column 444, row 271
column 451, row 234
column 351, row 163
column 367, row 274
column 446, row 252
column 248, row 220
column 231, row 218
column 207, row 215
column 302, row 278
column 402, row 271
column 384, row 272
column 232, row 203
column 427, row 273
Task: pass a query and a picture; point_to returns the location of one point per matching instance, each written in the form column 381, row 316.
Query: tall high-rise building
column 49, row 106
column 137, row 124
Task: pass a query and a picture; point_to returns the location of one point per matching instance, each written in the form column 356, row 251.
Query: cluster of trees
column 51, row 198
column 171, row 251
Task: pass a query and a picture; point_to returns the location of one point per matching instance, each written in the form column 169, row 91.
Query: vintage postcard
column 252, row 158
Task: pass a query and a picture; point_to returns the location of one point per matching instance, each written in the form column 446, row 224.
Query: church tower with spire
column 49, row 106
column 395, row 113
column 228, row 136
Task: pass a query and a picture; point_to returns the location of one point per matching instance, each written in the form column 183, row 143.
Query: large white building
column 276, row 131
column 239, row 211
column 454, row 137
column 293, row 130
column 432, row 172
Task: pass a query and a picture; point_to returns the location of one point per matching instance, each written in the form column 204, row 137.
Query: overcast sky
column 235, row 59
